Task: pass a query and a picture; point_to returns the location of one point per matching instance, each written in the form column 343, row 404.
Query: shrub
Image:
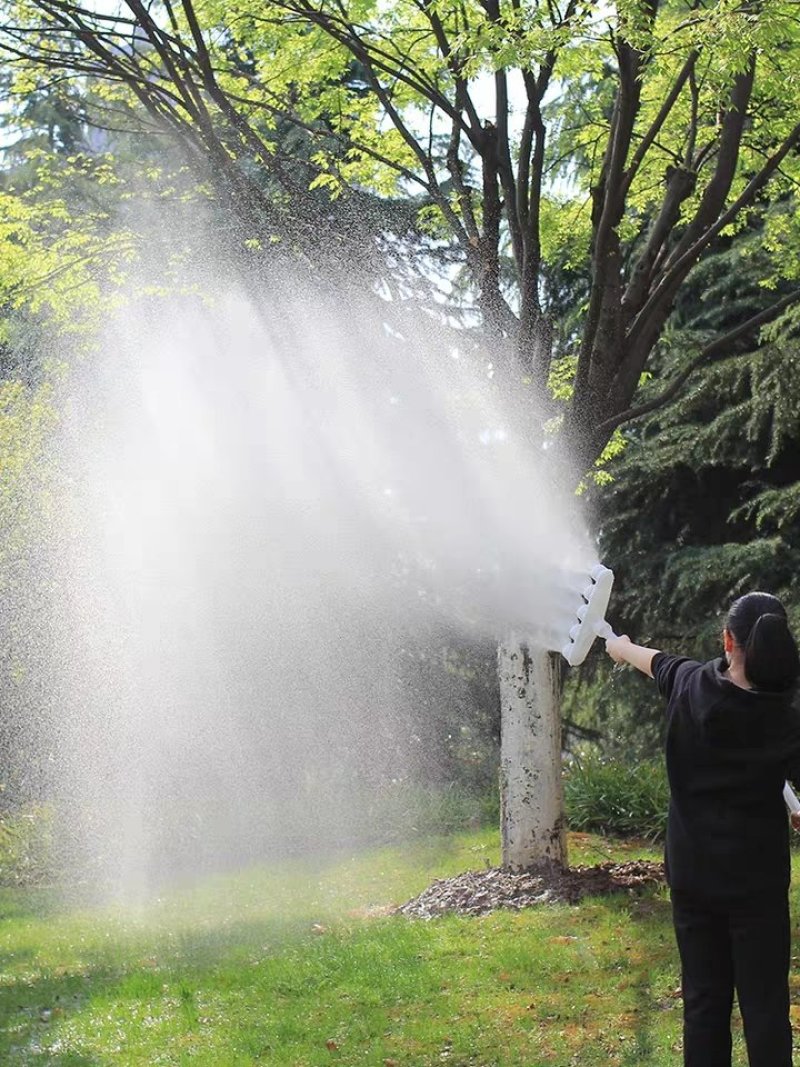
column 617, row 798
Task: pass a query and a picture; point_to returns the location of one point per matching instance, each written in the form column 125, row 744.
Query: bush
column 617, row 798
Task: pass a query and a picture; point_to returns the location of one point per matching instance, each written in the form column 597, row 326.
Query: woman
column 733, row 737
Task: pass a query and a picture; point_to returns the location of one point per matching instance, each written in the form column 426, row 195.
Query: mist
column 264, row 513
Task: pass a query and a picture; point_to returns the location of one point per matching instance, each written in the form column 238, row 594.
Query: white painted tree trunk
column 531, row 791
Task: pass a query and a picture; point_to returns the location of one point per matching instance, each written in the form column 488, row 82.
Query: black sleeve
column 672, row 672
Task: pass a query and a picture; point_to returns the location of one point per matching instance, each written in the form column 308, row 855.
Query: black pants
column 743, row 946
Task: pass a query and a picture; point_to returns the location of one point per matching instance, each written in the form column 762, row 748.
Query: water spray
column 591, row 616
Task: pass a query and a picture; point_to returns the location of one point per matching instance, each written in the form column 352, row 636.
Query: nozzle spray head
column 591, row 616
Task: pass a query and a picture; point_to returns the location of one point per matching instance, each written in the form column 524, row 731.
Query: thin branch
column 691, row 140
column 455, row 168
column 395, row 66
column 678, row 268
column 711, row 349
column 85, row 12
column 184, row 83
column 443, row 43
column 290, row 116
column 651, row 313
column 658, row 122
column 112, row 64
column 416, row 148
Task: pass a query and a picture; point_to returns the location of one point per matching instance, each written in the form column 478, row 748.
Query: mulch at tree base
column 478, row 892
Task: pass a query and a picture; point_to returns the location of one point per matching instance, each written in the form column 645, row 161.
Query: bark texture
column 530, row 758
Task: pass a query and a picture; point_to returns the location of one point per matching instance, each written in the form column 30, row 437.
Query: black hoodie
column 729, row 751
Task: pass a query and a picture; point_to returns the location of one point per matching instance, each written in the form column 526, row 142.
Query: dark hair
column 759, row 625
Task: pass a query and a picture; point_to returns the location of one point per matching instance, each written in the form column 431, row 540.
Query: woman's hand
column 794, row 818
column 615, row 647
column 623, row 650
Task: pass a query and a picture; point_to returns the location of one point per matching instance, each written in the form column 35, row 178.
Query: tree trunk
column 531, row 793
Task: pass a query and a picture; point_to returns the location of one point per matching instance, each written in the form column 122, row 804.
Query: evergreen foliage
column 703, row 501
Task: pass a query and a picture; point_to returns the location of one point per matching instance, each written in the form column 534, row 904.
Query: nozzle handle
column 603, row 630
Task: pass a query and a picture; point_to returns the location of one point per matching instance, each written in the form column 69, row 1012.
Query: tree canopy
column 621, row 141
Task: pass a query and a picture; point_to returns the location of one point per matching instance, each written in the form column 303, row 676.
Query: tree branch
column 753, row 187
column 395, row 66
column 707, row 221
column 657, row 123
column 455, row 168
column 706, row 353
column 463, row 97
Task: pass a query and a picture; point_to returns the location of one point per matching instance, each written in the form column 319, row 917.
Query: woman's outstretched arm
column 623, row 650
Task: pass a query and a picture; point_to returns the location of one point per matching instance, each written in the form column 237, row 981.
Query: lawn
column 302, row 966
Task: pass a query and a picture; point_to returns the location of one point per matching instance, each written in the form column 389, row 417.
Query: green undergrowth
column 305, row 966
column 612, row 797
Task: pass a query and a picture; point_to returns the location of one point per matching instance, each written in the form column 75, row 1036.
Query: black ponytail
column 759, row 625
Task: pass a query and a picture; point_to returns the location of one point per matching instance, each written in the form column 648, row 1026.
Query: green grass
column 302, row 967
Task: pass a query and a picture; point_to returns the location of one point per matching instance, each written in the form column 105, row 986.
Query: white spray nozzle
column 591, row 616
column 790, row 798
